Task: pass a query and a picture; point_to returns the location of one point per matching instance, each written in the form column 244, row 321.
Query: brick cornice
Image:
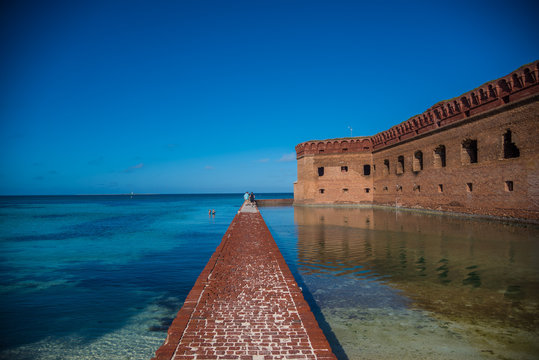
column 515, row 86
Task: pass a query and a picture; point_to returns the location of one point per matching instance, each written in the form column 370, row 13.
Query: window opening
column 321, row 191
column 320, row 151
column 321, row 171
column 400, row 165
column 417, row 188
column 418, row 161
column 367, row 190
column 510, row 150
column 366, row 170
column 385, row 188
column 386, row 167
column 469, row 187
column 469, row 151
column 344, row 149
column 344, row 168
column 439, row 156
column 440, row 188
column 345, row 190
column 508, row 186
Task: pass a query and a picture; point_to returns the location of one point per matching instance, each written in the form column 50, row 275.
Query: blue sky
column 212, row 96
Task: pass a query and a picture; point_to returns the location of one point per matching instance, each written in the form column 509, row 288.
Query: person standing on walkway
column 252, row 198
column 246, row 196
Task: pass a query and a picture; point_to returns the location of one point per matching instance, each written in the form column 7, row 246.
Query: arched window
column 400, row 165
column 439, row 156
column 418, row 161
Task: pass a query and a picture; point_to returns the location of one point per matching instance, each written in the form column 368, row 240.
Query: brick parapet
column 519, row 84
column 238, row 270
column 334, row 146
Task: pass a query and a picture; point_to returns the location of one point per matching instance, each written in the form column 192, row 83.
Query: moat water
column 101, row 277
column 390, row 284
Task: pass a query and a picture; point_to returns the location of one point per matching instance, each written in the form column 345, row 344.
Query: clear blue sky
column 212, row 96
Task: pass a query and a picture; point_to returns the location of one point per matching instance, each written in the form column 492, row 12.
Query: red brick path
column 245, row 304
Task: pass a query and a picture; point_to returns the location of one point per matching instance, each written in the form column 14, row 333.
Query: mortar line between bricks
column 245, row 304
column 293, row 302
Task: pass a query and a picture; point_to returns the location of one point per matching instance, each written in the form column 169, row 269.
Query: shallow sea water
column 389, row 284
column 103, row 277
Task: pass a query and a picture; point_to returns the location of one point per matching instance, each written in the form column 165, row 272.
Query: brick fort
column 476, row 154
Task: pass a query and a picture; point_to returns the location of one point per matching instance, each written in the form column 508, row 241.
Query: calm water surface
column 392, row 284
column 102, row 277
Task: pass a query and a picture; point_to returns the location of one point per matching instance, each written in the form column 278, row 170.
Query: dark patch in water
column 170, row 304
column 158, row 328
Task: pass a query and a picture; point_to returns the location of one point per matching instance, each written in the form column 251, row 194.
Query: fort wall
column 478, row 153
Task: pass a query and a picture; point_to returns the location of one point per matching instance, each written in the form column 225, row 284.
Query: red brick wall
column 488, row 176
column 343, row 181
column 483, row 115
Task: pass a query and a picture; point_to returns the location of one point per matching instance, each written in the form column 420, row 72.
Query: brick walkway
column 245, row 304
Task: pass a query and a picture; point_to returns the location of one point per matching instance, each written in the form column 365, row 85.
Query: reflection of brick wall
column 500, row 178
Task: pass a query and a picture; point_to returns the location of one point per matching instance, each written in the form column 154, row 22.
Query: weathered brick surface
column 496, row 184
column 245, row 304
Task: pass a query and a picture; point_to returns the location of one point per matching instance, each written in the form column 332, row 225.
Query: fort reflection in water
column 482, row 276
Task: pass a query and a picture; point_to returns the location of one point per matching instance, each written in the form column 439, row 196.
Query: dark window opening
column 385, row 188
column 320, row 171
column 417, row 188
column 400, row 165
column 469, row 187
column 439, row 156
column 367, row 190
column 508, row 186
column 366, row 170
column 440, row 188
column 399, row 187
column 510, row 150
column 321, row 191
column 344, row 168
column 320, row 151
column 418, row 161
column 469, row 151
column 345, row 190
column 344, row 149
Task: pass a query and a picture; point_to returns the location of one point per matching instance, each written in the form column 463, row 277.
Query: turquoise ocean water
column 102, row 277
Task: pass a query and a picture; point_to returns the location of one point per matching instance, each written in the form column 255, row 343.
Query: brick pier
column 245, row 304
